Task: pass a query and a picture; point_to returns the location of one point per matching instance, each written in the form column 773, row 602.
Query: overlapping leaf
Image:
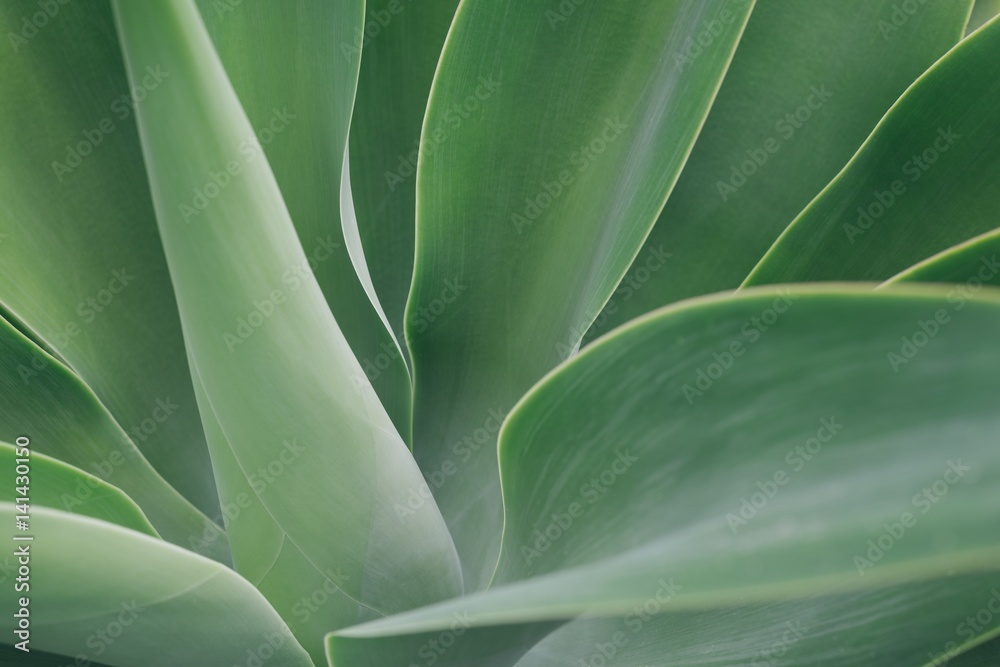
column 532, row 207
column 281, row 388
column 82, row 265
column 808, row 83
column 924, row 180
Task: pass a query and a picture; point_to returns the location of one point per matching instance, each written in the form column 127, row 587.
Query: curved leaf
column 923, row 181
column 973, row 263
column 51, row 483
column 848, row 481
column 82, row 263
column 547, row 172
column 41, row 398
column 297, row 88
column 399, row 53
column 122, row 598
column 808, row 83
column 280, row 381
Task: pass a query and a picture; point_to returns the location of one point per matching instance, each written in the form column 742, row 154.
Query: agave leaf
column 114, row 595
column 971, row 264
column 55, row 484
column 399, row 52
column 923, row 181
column 279, row 379
column 44, row 400
column 911, row 624
column 83, row 267
column 808, row 83
column 297, row 88
column 982, row 12
column 848, row 473
column 547, row 174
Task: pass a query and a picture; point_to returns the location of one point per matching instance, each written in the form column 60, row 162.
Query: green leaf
column 808, row 83
column 973, row 264
column 399, row 53
column 923, row 181
column 558, row 166
column 159, row 606
column 42, row 399
column 297, row 88
column 849, row 475
column 82, row 266
column 51, row 483
column 982, row 12
column 281, row 386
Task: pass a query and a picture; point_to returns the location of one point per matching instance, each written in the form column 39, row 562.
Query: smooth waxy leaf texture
column 971, row 265
column 82, row 263
column 297, row 88
column 282, row 389
column 399, row 53
column 808, row 83
column 160, row 606
column 41, row 398
column 856, row 472
column 923, row 181
column 537, row 182
column 982, row 12
column 51, row 483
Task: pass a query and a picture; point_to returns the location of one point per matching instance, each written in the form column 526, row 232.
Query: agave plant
column 505, row 333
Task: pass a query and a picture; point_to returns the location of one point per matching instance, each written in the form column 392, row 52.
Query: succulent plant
column 502, row 333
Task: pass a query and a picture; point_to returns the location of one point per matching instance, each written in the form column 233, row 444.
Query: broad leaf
column 399, row 53
column 971, row 265
column 122, row 598
column 808, row 83
column 41, row 398
column 49, row 482
column 923, row 181
column 281, row 387
column 287, row 66
column 550, row 172
column 83, row 266
column 851, row 479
